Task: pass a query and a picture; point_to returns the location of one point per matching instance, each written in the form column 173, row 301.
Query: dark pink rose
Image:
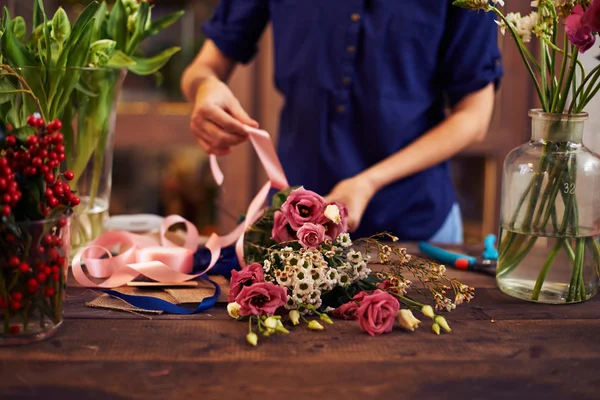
column 281, row 228
column 333, row 230
column 311, row 235
column 303, row 206
column 250, row 275
column 579, row 33
column 591, row 17
column 377, row 313
column 348, row 310
column 263, row 298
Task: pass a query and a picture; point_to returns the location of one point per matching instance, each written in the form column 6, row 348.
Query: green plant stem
column 572, row 68
column 563, row 68
column 547, row 265
column 590, row 80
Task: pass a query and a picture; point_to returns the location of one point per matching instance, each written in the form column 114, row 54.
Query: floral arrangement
column 302, row 260
column 36, row 202
column 75, row 71
column 549, row 204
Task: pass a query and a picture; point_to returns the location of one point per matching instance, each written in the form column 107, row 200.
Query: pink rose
column 311, row 235
column 303, row 206
column 333, row 230
column 250, row 275
column 591, row 17
column 348, row 310
column 377, row 313
column 281, row 229
column 578, row 32
column 263, row 298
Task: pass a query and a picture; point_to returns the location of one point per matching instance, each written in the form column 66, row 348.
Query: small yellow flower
column 326, row 319
column 315, row 325
column 428, row 311
column 233, row 309
column 435, row 328
column 280, row 328
column 407, row 320
column 441, row 321
column 252, row 338
column 270, row 323
column 295, row 317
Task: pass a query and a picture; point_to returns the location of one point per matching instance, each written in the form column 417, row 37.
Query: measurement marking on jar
column 569, row 188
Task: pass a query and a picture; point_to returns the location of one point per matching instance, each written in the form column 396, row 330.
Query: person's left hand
column 355, row 193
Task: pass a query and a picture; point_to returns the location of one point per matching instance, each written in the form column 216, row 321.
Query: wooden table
column 500, row 348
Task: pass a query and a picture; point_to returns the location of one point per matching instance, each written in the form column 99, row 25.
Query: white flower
column 332, row 212
column 302, row 288
column 354, row 256
column 305, row 263
column 523, row 26
column 284, row 279
column 344, row 240
column 329, row 254
column 295, row 317
column 407, row 320
column 233, row 309
column 267, row 265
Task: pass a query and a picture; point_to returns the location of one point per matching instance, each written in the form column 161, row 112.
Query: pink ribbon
column 164, row 261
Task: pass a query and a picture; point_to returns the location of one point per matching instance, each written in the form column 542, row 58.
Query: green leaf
column 142, row 21
column 163, row 23
column 279, row 198
column 19, row 28
column 23, row 132
column 120, row 60
column 15, row 51
column 99, row 20
column 79, row 86
column 117, row 25
column 61, row 26
column 37, row 15
column 5, row 90
column 101, row 52
column 149, row 66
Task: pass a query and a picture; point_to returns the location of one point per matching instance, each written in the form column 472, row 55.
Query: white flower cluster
column 523, row 25
column 307, row 274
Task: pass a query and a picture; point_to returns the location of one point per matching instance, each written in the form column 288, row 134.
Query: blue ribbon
column 227, row 262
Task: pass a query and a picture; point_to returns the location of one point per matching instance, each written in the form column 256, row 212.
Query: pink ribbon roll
column 167, row 262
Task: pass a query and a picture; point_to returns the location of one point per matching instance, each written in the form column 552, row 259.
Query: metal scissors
column 485, row 264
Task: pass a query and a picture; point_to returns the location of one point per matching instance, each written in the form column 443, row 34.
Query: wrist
column 368, row 182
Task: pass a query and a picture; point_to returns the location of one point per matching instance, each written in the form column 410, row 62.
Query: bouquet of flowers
column 301, row 259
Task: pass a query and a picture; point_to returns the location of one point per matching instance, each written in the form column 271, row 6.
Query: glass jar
column 550, row 214
column 33, row 273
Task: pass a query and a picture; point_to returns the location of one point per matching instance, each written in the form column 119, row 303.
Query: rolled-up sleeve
column 237, row 26
column 470, row 55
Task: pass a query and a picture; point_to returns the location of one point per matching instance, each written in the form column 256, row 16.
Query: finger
column 225, row 121
column 205, row 142
column 218, row 137
column 241, row 115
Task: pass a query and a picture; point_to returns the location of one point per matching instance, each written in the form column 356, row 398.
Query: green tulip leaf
column 19, row 28
column 117, row 25
column 120, row 60
column 61, row 26
column 149, row 66
column 142, row 20
column 101, row 52
column 164, row 22
column 15, row 51
column 100, row 20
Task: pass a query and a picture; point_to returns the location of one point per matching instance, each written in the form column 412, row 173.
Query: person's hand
column 355, row 193
column 218, row 118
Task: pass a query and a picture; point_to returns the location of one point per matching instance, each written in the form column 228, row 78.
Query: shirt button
column 346, row 80
column 355, row 17
column 351, row 49
column 341, row 109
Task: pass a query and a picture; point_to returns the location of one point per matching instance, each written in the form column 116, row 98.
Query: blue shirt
column 362, row 79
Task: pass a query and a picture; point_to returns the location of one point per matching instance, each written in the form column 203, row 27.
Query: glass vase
column 93, row 113
column 33, row 264
column 550, row 214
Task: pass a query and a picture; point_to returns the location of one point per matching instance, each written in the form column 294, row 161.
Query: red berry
column 16, row 196
column 7, row 198
column 49, row 292
column 49, row 192
column 55, row 277
column 15, row 305
column 43, row 153
column 52, row 155
column 60, row 261
column 58, row 190
column 31, row 120
column 14, row 329
column 14, row 261
column 58, row 138
column 55, row 269
column 45, row 212
column 41, row 250
column 56, row 125
column 61, row 157
column 8, row 173
column 13, row 187
column 62, row 223
column 5, row 210
column 17, row 296
column 39, row 122
column 53, row 254
column 49, row 177
column 36, row 162
column 24, row 268
column 30, row 171
column 11, row 141
column 69, row 175
column 41, row 277
column 10, row 237
column 53, row 163
column 47, row 239
column 3, row 184
column 32, row 140
column 3, row 162
column 58, row 242
column 53, row 202
column 75, row 201
column 44, row 169
column 47, row 270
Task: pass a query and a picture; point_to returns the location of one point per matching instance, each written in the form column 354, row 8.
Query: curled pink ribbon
column 165, row 261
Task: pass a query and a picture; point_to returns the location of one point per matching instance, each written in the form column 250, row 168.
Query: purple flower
column 591, row 17
column 248, row 276
column 303, row 206
column 262, row 298
column 348, row 310
column 377, row 313
column 281, row 232
column 578, row 31
column 311, row 235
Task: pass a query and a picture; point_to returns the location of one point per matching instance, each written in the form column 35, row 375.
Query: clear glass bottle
column 550, row 214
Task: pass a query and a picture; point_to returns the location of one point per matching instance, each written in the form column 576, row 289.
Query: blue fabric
column 451, row 231
column 227, row 262
column 358, row 89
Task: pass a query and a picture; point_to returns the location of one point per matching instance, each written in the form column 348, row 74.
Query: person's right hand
column 218, row 119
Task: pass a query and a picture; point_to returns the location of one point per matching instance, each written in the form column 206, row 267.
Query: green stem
column 542, row 276
column 572, row 67
column 584, row 90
